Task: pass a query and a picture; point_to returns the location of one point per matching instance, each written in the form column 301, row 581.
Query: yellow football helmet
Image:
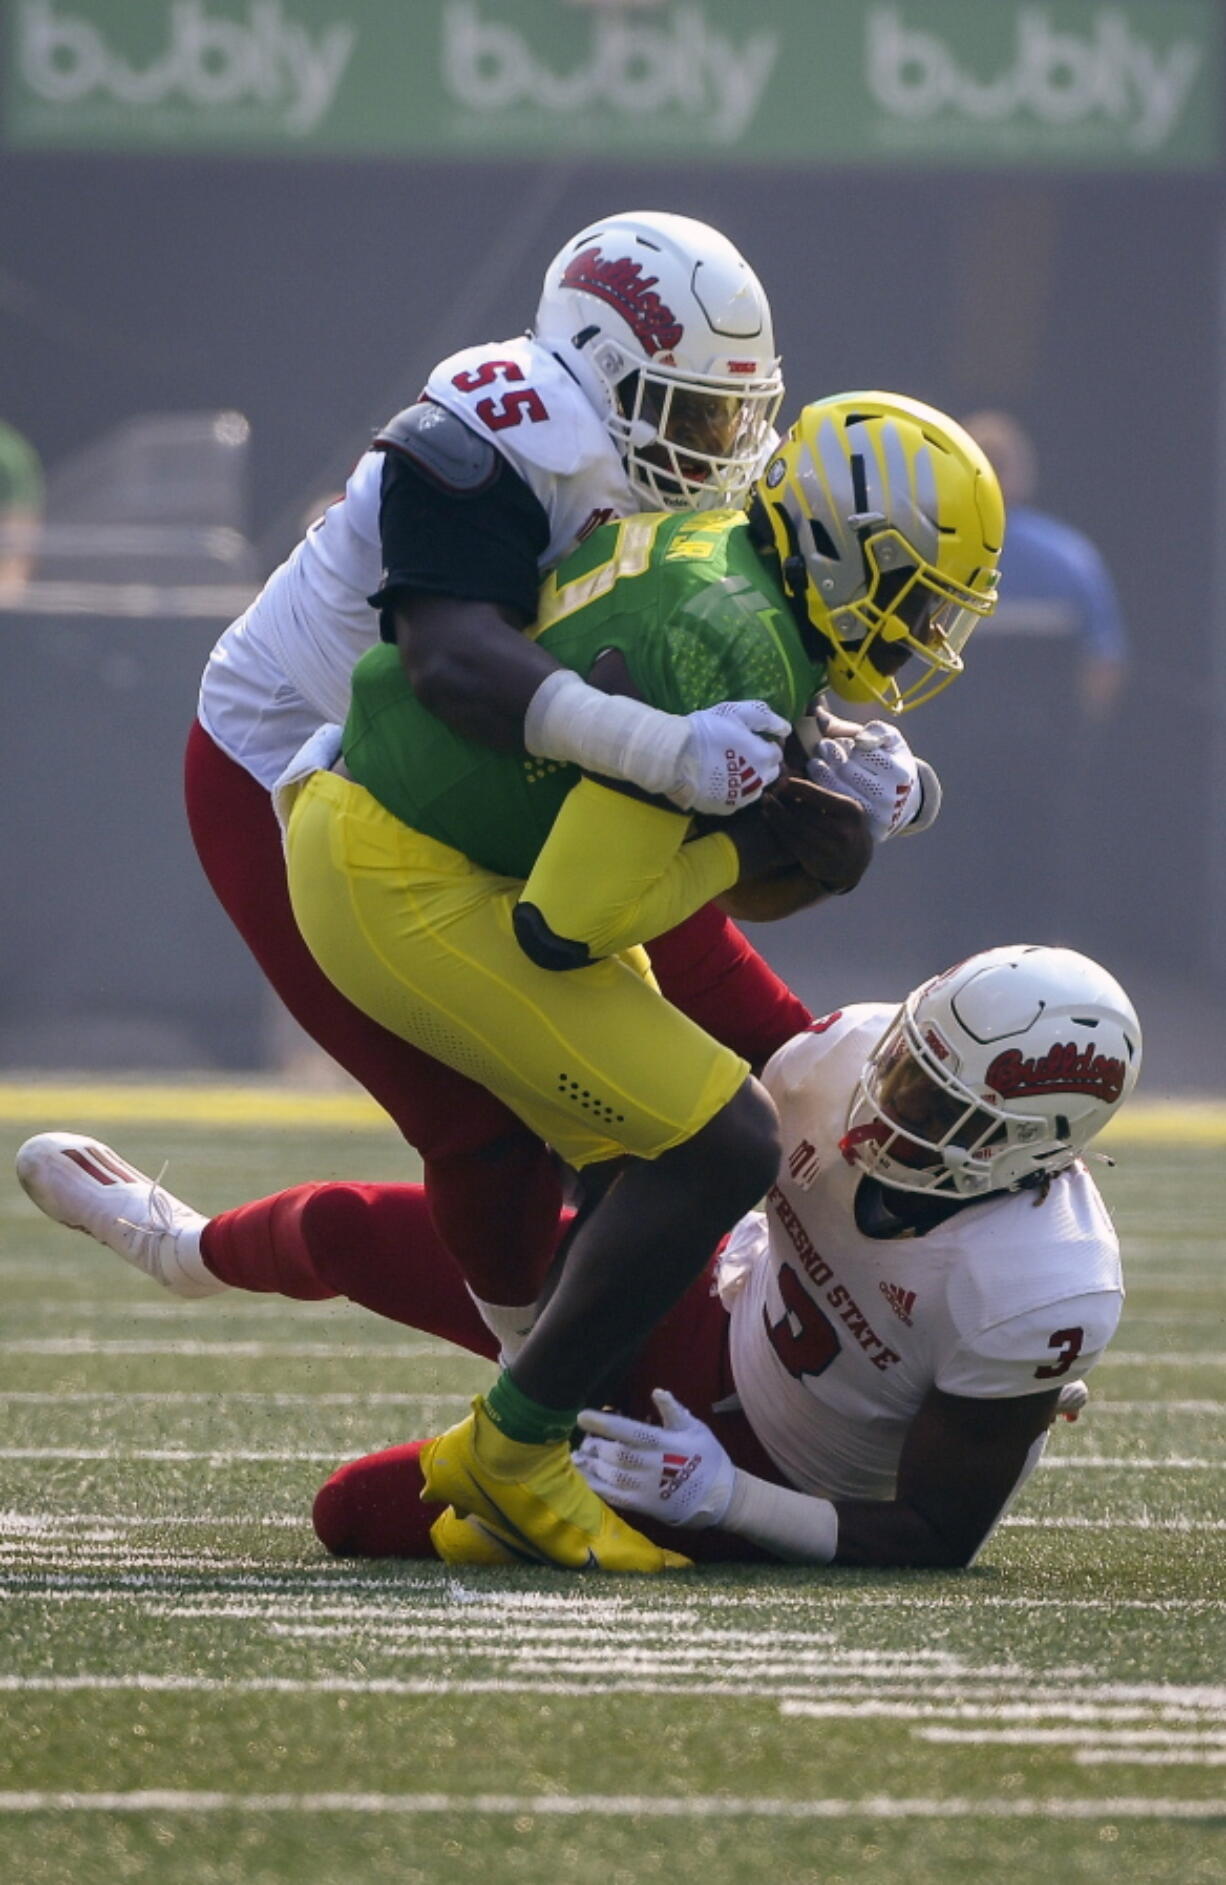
column 888, row 521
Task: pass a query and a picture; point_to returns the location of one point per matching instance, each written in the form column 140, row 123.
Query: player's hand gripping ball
column 826, row 833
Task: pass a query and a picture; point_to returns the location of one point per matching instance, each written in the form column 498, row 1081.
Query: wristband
column 795, row 1526
column 609, row 734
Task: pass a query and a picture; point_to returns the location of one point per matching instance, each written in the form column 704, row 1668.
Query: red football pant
column 483, row 1167
column 377, row 1245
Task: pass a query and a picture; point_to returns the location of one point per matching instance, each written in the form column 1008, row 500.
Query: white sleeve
column 1029, row 1353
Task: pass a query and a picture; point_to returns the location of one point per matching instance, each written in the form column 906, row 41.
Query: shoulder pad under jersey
column 440, row 445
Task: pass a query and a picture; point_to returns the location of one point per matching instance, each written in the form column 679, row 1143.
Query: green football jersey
column 695, row 611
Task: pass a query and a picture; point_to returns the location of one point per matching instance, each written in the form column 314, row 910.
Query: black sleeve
column 478, row 538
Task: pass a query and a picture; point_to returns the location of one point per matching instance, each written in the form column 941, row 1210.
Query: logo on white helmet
column 619, row 281
column 1065, row 1068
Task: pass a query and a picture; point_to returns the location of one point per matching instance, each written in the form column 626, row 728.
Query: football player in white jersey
column 867, row 1370
column 649, row 381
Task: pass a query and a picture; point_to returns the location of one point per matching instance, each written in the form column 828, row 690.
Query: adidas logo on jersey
column 901, row 1301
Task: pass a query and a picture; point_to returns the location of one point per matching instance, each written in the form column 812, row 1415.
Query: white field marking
column 39, row 1397
column 166, row 1562
column 846, row 1704
column 536, row 1652
column 1113, row 1408
column 1074, row 1737
column 66, row 1525
column 1117, row 1524
column 174, row 1397
column 614, row 1806
column 216, row 1456
column 223, row 1350
column 55, row 1528
column 1152, row 1757
column 357, row 1350
column 111, row 1587
column 1102, row 1461
column 1197, row 1358
column 228, row 1456
column 1091, row 1714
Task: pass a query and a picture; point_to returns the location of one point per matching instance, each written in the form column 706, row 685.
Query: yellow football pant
column 594, row 1060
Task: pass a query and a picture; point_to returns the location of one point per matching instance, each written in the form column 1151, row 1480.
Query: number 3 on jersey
column 498, row 414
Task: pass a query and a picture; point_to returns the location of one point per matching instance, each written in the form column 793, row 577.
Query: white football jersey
column 284, row 666
column 837, row 1338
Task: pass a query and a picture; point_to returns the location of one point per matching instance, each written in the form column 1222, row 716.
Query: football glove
column 733, row 751
column 877, row 768
column 677, row 1472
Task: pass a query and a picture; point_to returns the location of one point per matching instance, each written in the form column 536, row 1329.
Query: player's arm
column 461, row 535
column 961, row 1460
column 617, row 869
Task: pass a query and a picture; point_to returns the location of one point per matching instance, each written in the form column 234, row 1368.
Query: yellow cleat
column 530, row 1499
column 467, row 1541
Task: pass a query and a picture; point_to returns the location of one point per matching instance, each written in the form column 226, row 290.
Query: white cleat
column 85, row 1186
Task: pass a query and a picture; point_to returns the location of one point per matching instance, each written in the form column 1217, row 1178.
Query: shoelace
column 161, row 1208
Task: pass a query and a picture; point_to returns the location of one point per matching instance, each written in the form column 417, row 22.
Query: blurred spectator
column 21, row 510
column 1053, row 579
column 1026, row 747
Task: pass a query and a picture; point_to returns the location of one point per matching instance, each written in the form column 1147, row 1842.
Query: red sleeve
column 709, row 970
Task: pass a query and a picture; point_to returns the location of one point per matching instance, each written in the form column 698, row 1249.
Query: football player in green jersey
column 490, row 907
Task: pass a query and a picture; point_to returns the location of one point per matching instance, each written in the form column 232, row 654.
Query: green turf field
column 192, row 1694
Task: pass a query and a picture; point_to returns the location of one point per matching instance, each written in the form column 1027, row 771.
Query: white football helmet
column 668, row 331
column 998, row 1070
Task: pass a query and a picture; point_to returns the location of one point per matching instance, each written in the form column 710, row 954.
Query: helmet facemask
column 910, row 611
column 916, row 1127
column 690, row 443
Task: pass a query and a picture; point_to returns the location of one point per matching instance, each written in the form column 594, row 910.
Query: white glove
column 876, row 768
column 733, row 752
column 677, row 1472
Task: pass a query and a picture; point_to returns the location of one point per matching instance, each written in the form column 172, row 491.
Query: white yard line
column 1189, row 1738
column 111, row 1586
column 221, row 1456
column 222, row 1349
column 175, row 1397
column 613, row 1806
column 411, row 1351
column 221, row 1397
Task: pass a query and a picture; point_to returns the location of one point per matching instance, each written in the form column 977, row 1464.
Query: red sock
column 372, row 1508
column 375, row 1244
column 261, row 1246
column 497, row 1210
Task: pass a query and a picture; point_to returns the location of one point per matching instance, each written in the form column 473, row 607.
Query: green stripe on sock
column 521, row 1419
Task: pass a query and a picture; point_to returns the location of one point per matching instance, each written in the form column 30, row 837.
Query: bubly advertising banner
column 1069, row 84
